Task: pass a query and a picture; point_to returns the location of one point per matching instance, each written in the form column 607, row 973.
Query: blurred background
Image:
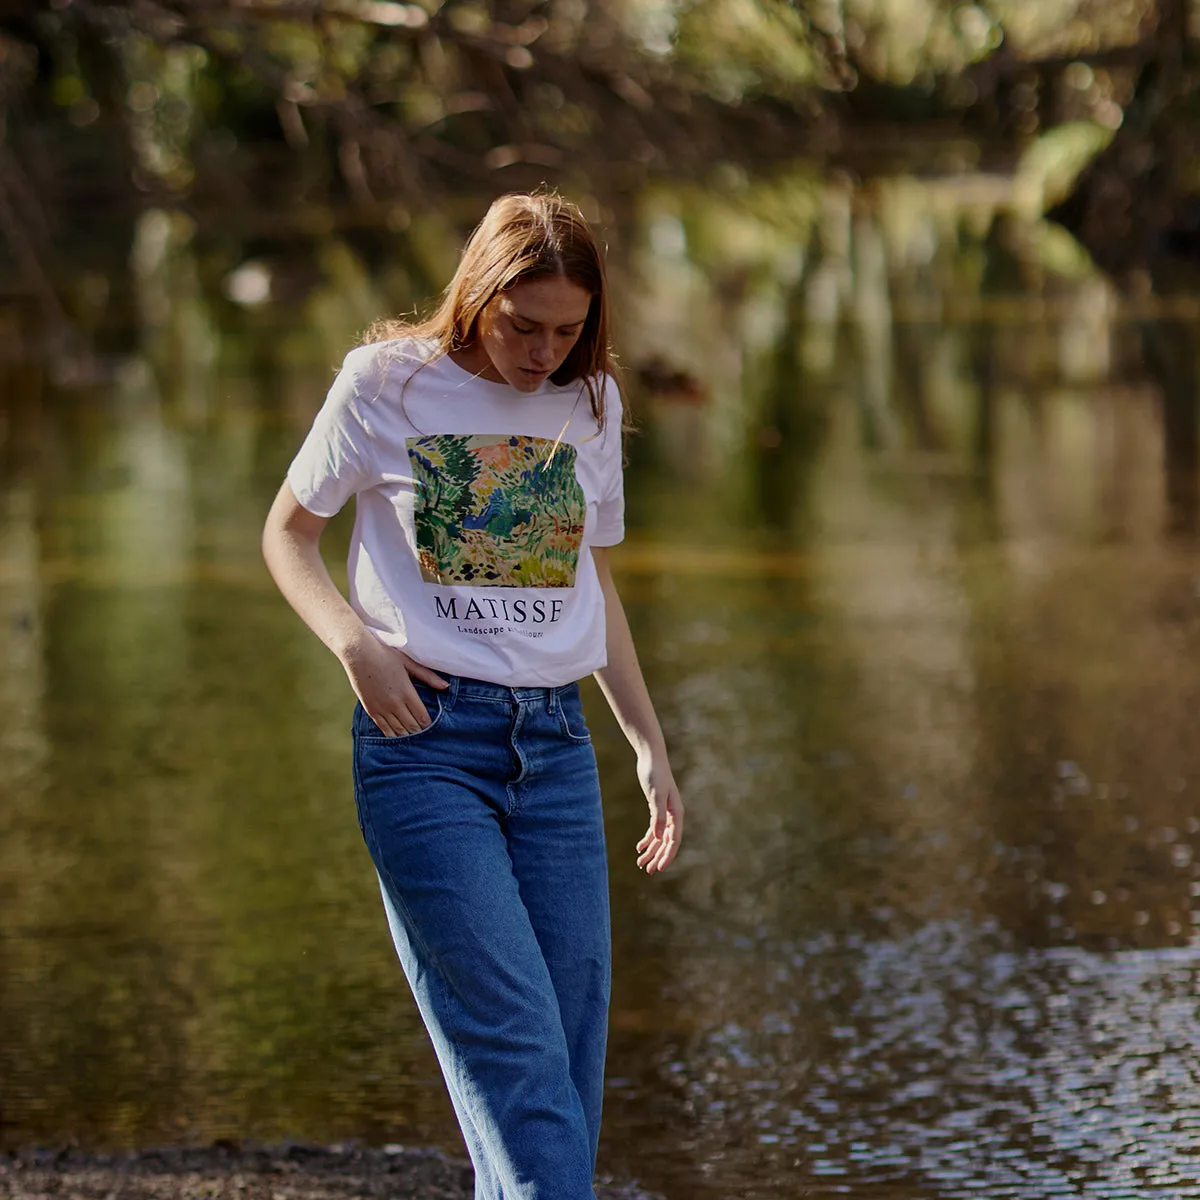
column 906, row 296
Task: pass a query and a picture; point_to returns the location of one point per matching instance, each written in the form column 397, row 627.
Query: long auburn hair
column 523, row 236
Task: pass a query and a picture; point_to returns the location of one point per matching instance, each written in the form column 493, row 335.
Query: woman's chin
column 528, row 381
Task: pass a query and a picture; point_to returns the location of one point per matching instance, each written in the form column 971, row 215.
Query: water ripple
column 960, row 1064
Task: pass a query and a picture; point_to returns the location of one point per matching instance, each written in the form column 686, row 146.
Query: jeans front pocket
column 570, row 715
column 366, row 730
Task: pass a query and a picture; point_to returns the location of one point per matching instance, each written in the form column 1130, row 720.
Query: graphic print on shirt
column 496, row 510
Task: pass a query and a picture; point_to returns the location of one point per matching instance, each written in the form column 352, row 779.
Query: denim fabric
column 487, row 835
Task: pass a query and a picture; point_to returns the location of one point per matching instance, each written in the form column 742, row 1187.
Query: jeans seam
column 566, row 728
column 436, row 973
column 373, row 848
column 513, row 786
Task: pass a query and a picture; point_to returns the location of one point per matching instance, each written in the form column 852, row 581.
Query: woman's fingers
column 417, row 712
column 424, row 674
column 667, row 851
column 412, row 717
column 651, row 848
column 660, row 853
column 385, row 724
column 407, row 715
column 660, row 843
column 648, row 844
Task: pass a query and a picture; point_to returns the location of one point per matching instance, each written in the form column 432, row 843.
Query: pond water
column 918, row 599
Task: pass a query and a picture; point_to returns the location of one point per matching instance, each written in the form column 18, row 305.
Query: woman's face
column 526, row 332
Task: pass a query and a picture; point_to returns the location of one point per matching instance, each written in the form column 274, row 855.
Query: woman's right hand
column 381, row 677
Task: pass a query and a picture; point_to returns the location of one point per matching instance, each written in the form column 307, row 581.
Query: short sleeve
column 610, row 517
column 336, row 459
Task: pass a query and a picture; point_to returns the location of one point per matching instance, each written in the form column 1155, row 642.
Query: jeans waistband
column 482, row 689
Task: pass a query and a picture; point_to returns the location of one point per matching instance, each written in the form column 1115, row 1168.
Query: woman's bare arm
column 624, row 688
column 378, row 674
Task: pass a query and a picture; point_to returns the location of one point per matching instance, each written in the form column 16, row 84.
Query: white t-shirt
column 477, row 507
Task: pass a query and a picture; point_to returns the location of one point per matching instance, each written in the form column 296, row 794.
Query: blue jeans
column 487, row 834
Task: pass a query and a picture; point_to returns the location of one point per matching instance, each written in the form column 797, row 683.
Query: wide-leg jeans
column 487, row 835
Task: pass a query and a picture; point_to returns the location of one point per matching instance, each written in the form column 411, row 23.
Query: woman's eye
column 522, row 329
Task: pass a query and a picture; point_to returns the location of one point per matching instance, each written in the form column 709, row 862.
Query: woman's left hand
column 661, row 841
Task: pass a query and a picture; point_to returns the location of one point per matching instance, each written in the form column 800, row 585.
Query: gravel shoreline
column 227, row 1171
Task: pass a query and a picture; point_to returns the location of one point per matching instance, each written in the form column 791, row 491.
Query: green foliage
column 295, row 119
column 740, row 48
column 1049, row 168
column 516, row 521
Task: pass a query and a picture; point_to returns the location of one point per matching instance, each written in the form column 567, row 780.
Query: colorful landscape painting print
column 495, row 510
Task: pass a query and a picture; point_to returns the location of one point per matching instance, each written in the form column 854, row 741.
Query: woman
column 484, row 449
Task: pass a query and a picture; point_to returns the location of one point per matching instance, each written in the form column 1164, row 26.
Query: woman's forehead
column 551, row 299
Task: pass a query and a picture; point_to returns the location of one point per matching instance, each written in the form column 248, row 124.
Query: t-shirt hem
column 445, row 666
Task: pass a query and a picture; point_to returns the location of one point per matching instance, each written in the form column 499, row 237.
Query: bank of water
column 919, row 604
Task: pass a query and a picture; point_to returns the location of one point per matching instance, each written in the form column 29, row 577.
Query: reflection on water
column 947, row 1060
column 913, row 597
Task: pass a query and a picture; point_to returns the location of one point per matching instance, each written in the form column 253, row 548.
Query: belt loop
column 450, row 695
column 551, row 700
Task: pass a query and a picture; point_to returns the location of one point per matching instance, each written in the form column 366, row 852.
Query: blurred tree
column 279, row 120
column 1136, row 207
column 271, row 123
